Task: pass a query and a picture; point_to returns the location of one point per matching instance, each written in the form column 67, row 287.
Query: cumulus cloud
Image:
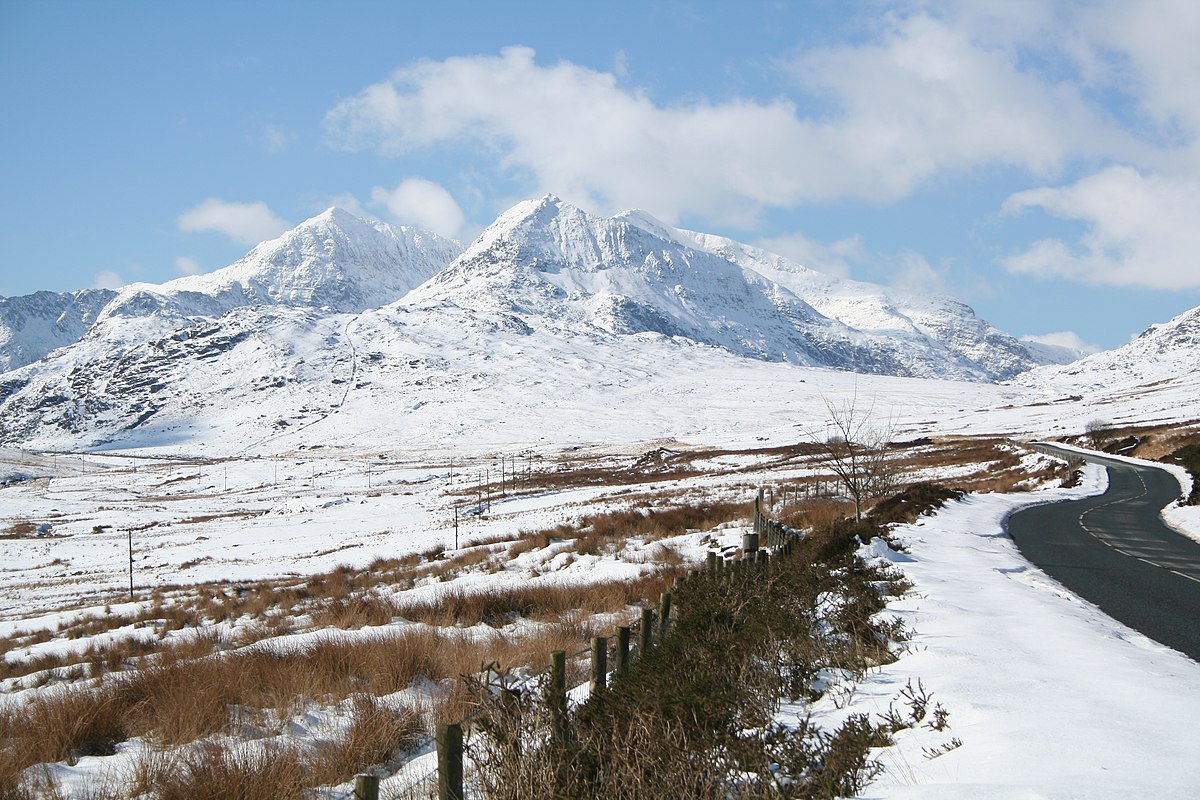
column 846, row 258
column 244, row 223
column 350, row 203
column 188, row 266
column 1141, row 230
column 108, row 280
column 423, row 204
column 1068, row 339
column 1156, row 59
column 885, row 116
column 837, row 259
column 913, row 272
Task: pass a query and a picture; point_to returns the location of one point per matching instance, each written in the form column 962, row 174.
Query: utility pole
column 130, row 564
column 455, row 524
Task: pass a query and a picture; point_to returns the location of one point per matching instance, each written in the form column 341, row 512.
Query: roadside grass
column 694, row 715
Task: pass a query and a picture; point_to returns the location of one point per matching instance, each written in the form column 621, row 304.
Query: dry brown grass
column 266, row 771
column 19, row 530
column 816, row 512
column 536, row 600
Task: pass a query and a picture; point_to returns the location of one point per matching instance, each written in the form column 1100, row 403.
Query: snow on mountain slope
column 1164, row 361
column 558, row 268
column 561, row 270
column 273, row 379
column 553, row 320
column 334, row 261
column 932, row 322
column 33, row 325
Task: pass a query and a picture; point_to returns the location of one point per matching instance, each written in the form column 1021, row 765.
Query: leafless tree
column 855, row 447
column 1098, row 432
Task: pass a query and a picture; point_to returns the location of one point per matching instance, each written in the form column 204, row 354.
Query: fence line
column 450, row 772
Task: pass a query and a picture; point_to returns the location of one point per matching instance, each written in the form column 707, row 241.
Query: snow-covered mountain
column 334, row 261
column 1163, row 354
column 34, row 324
column 936, row 324
column 554, row 267
column 343, row 314
column 940, row 325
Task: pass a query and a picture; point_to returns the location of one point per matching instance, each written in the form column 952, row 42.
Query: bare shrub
column 692, row 718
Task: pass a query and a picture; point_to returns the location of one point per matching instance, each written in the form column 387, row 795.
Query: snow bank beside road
column 1050, row 697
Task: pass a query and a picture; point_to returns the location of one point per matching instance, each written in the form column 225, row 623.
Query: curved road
column 1115, row 551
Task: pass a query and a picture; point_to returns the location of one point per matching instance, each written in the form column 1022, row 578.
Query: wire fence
column 441, row 770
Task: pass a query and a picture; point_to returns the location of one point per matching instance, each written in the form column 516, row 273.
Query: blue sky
column 1040, row 161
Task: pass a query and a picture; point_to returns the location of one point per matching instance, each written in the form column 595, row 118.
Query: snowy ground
column 1048, row 696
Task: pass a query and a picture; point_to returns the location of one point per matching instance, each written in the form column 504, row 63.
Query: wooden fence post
column 665, row 615
column 558, row 694
column 712, row 561
column 599, row 663
column 450, row 761
column 622, row 649
column 647, row 632
column 366, row 787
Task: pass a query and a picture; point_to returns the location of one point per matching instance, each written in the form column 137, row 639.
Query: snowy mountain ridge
column 334, row 261
column 554, row 265
column 1162, row 355
column 34, row 324
column 342, row 322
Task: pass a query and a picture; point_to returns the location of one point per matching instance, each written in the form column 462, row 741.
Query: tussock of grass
column 538, row 601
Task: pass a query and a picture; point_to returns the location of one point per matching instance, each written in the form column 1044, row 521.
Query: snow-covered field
column 1048, row 696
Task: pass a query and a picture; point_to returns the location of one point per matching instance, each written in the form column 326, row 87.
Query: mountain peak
column 334, row 259
column 530, row 212
column 336, row 216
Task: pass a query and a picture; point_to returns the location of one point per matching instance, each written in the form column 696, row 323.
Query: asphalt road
column 1115, row 551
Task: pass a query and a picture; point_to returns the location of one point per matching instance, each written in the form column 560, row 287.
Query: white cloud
column 922, row 98
column 350, row 203
column 849, row 258
column 244, row 223
column 188, row 266
column 108, row 280
column 277, row 139
column 1147, row 49
column 1067, row 339
column 928, row 96
column 423, row 204
column 911, row 271
column 1141, row 230
column 837, row 259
